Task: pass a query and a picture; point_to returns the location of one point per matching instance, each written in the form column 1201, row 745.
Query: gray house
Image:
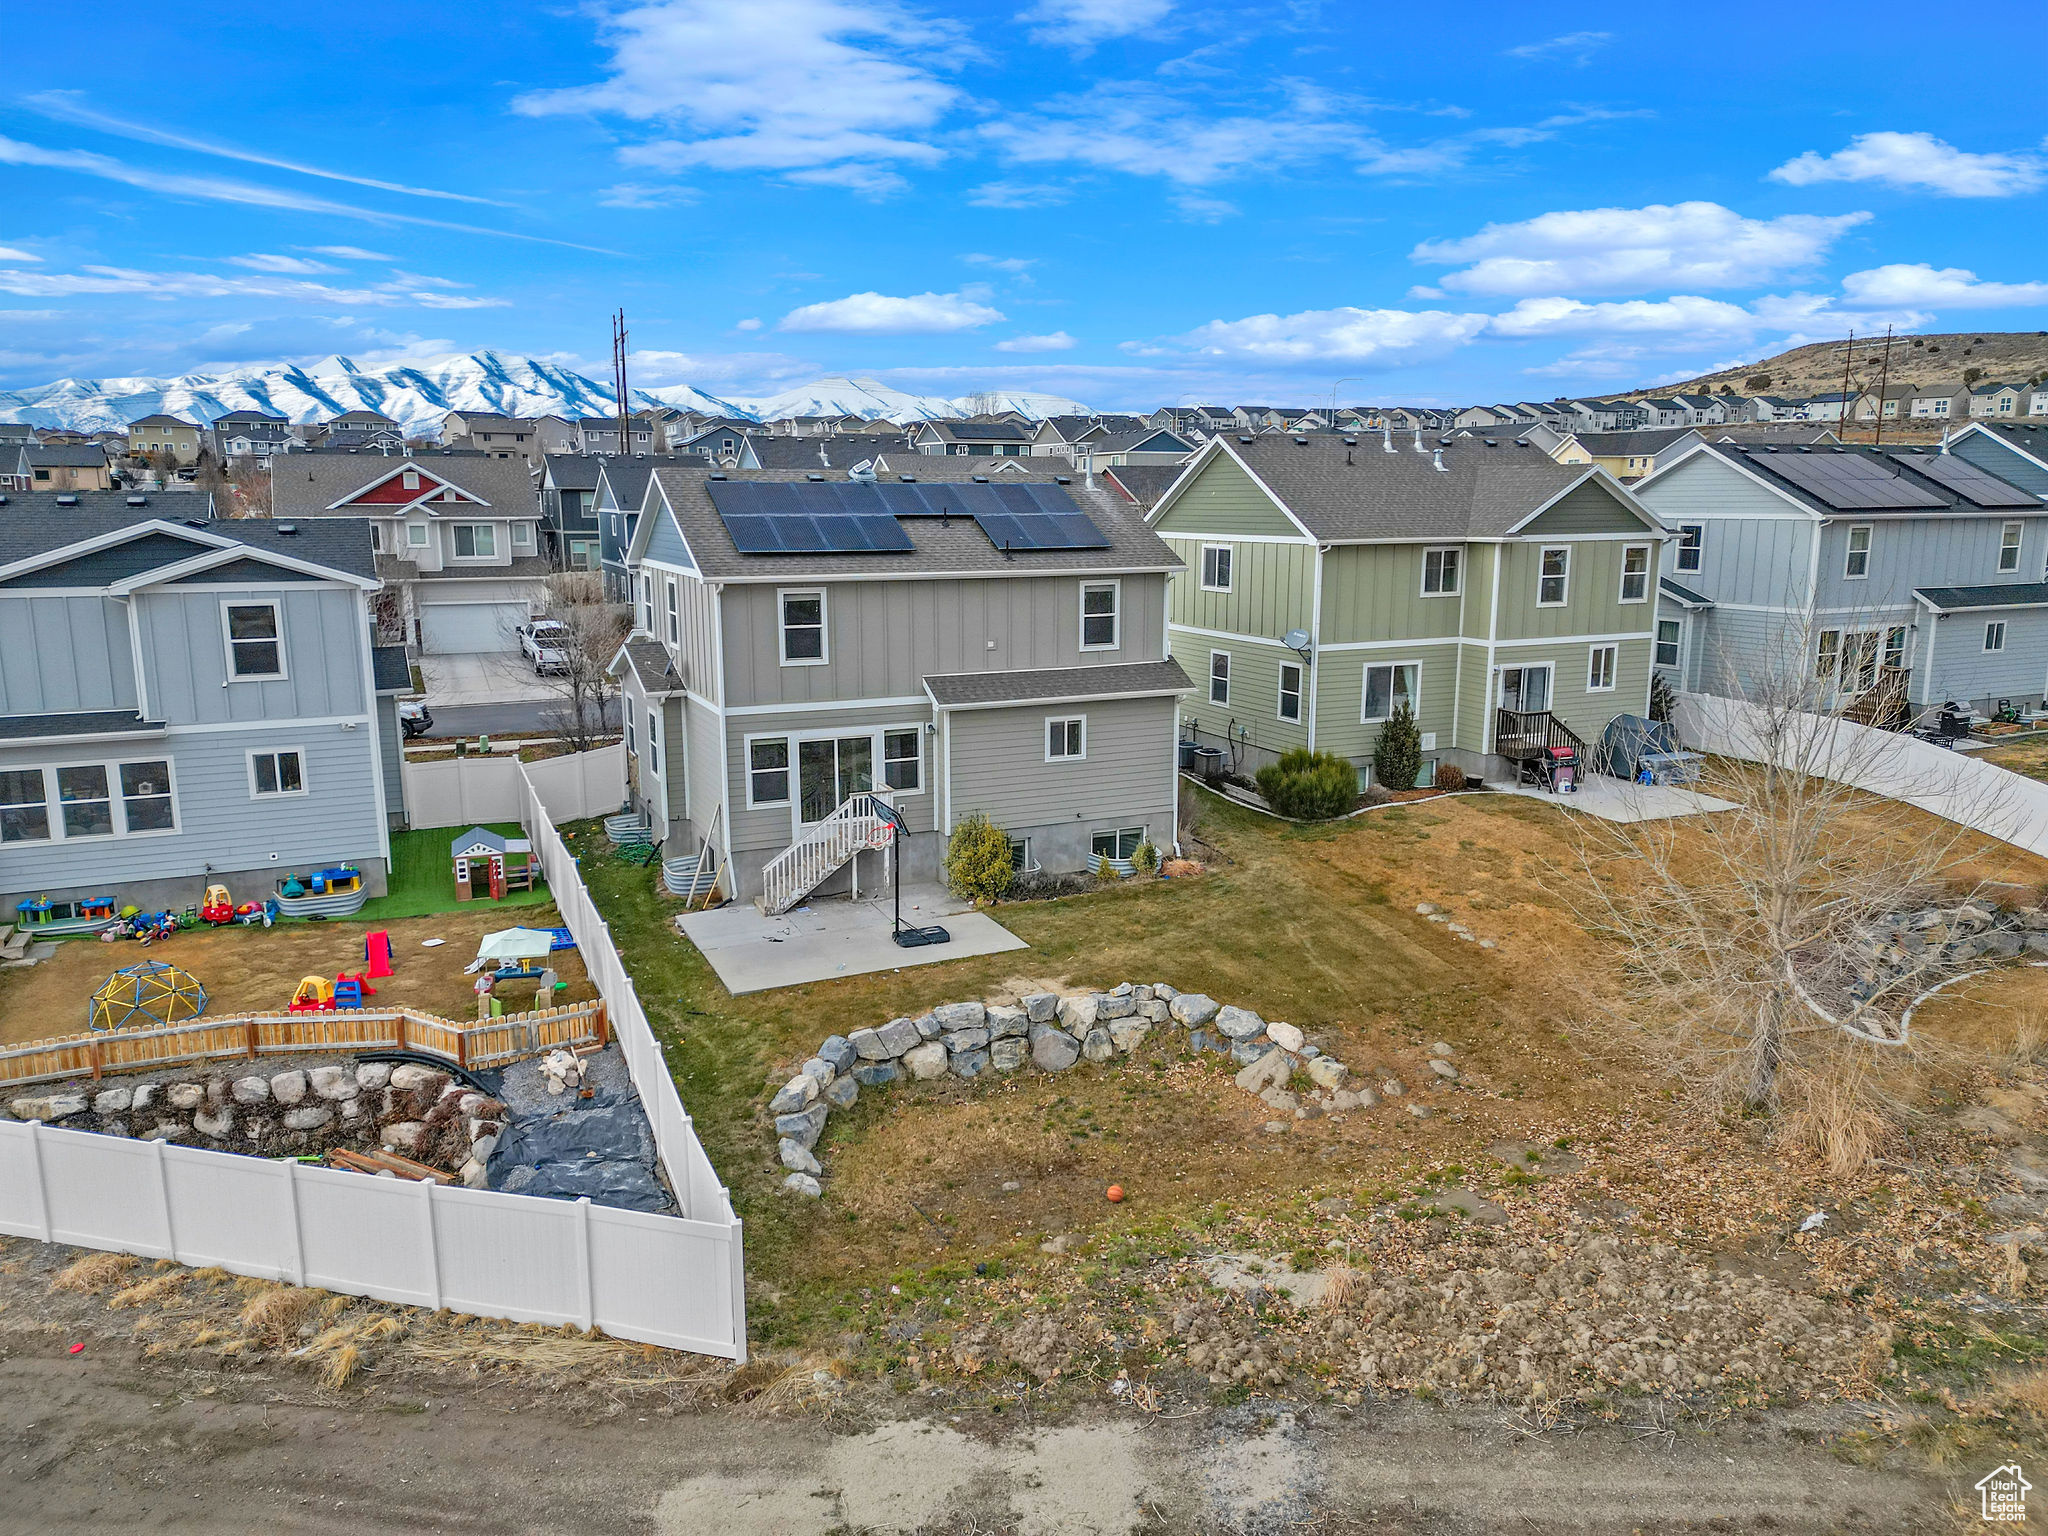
column 1898, row 576
column 951, row 641
column 187, row 702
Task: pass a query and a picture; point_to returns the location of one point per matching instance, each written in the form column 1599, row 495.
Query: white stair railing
column 806, row 863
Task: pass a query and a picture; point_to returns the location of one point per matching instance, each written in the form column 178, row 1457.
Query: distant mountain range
column 418, row 394
column 2001, row 357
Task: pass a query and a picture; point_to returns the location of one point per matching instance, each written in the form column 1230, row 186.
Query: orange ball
column 1116, row 1194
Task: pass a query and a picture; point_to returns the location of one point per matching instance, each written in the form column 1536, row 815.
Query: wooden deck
column 1523, row 735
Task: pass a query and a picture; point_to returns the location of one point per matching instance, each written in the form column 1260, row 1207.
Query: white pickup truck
column 544, row 642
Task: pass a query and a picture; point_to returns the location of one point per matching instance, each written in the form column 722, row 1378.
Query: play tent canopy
column 514, row 944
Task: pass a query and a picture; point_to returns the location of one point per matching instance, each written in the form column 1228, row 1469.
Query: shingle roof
column 315, row 481
column 97, row 722
column 65, row 456
column 651, row 660
column 958, row 547
column 523, row 567
column 1144, row 483
column 1683, row 594
column 2017, row 594
column 1125, row 442
column 981, row 431
column 574, row 471
column 340, row 543
column 360, row 419
column 1615, row 445
column 161, row 420
column 968, row 690
column 1364, row 492
column 389, row 670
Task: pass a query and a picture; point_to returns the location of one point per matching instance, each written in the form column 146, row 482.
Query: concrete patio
column 1620, row 801
column 833, row 936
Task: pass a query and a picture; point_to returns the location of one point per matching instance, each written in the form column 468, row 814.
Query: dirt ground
column 246, row 970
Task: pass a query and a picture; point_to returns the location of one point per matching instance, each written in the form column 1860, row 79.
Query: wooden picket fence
column 486, row 1043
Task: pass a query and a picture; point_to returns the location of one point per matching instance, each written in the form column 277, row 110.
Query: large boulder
column 48, row 1107
column 803, row 1184
column 331, row 1083
column 867, row 1045
column 143, row 1096
column 1235, row 1023
column 1286, row 1036
column 214, row 1123
column 793, row 1095
column 1041, row 1007
column 970, row 1063
column 1193, row 1009
column 113, row 1101
column 1053, row 1050
column 957, row 1016
column 403, row 1136
column 409, row 1075
column 795, row 1155
column 873, row 1074
column 840, row 1052
column 308, row 1117
column 1245, row 1052
column 185, row 1095
column 372, row 1075
column 1270, row 1071
column 288, row 1087
column 804, row 1125
column 967, row 1039
column 1005, row 1022
column 818, row 1070
column 1077, row 1014
column 1153, row 1011
column 252, row 1090
column 1128, row 1034
column 841, row 1092
column 898, row 1036
column 1326, row 1072
column 1097, row 1045
column 926, row 1061
column 1008, row 1053
column 1114, row 1006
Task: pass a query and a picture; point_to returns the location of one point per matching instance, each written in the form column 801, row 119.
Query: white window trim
column 1677, row 644
column 1550, row 688
column 1456, row 590
column 276, row 607
column 2019, row 535
column 461, row 559
column 1613, row 671
column 1280, row 693
column 1210, row 695
column 1116, row 615
column 305, row 776
column 117, row 804
column 824, row 656
column 651, row 753
column 1548, row 549
column 882, row 735
column 1649, row 573
column 1991, row 626
column 522, row 536
column 1698, row 550
column 415, row 535
column 1414, row 692
column 788, row 771
column 1849, row 551
column 1230, row 559
column 1045, row 739
column 673, row 614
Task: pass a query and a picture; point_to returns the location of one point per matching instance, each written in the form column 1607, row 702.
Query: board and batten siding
column 1127, row 777
column 1909, row 552
column 1374, row 592
column 391, row 756
column 1965, row 671
column 1340, row 701
column 220, row 822
column 695, row 649
column 1571, row 701
column 59, row 654
column 884, row 638
column 1588, row 508
column 704, row 739
column 765, row 831
column 1593, row 603
column 1755, row 547
column 1996, row 458
column 1224, row 499
column 184, row 649
column 1254, row 704
column 1272, row 588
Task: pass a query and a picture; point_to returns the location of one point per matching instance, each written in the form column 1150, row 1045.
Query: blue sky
column 1126, row 201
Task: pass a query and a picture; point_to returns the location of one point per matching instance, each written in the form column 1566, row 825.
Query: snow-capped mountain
column 419, row 393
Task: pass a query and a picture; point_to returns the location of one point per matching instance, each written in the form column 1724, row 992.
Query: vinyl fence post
column 426, row 1189
column 163, row 1196
column 291, row 1203
column 586, row 1287
column 737, row 1260
column 35, row 1157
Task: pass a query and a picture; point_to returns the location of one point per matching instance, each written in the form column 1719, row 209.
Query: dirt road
column 94, row 1443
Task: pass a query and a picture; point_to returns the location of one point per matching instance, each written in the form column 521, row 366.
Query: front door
column 829, row 772
column 1525, row 689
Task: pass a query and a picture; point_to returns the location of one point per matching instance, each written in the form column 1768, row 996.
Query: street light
column 1350, row 379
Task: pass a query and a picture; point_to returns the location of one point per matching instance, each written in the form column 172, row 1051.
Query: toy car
column 544, row 642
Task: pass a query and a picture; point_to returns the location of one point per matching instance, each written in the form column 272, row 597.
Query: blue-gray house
column 187, row 701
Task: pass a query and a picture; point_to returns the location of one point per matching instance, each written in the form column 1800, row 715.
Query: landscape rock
column 1128, row 1034
column 1053, row 1050
column 957, row 1016
column 804, row 1126
column 480, row 1149
column 927, row 1026
column 145, row 1094
column 257, row 1128
column 1427, row 908
column 1392, row 1088
column 185, row 1095
column 404, row 1135
column 473, row 1175
column 1077, row 1014
column 252, row 1090
column 310, row 1117
column 1114, row 1007
column 1444, row 1070
column 898, row 1036
column 1153, row 1011
column 331, row 1083
column 288, row 1087
column 1202, row 1040
column 409, row 1075
column 1006, row 1022
column 967, row 1039
column 803, row 1184
column 1353, row 1098
column 841, row 1093
column 1192, row 1009
column 373, row 1074
column 1245, row 1052
column 215, row 1124
column 113, row 1101
column 353, row 1110
column 1270, row 1069
column 793, row 1095
column 1041, row 1007
column 969, row 1063
column 795, row 1155
column 1097, row 1045
column 1275, row 1127
column 867, row 1045
column 873, row 1074
column 840, row 1052
column 926, row 1061
column 1420, row 1111
column 1286, row 1036
column 48, row 1107
column 818, row 1070
column 1008, row 1053
column 1326, row 1072
column 1440, row 1049
column 1239, row 1023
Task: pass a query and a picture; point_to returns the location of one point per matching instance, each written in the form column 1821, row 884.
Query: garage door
column 454, row 628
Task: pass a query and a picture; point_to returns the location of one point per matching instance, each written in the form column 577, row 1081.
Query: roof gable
column 1219, row 494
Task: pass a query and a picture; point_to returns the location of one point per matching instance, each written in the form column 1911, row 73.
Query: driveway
column 482, row 677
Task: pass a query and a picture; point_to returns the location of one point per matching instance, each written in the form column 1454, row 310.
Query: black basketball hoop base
column 906, row 938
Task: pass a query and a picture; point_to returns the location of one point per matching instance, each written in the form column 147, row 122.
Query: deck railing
column 1527, row 733
column 1883, row 704
column 808, row 862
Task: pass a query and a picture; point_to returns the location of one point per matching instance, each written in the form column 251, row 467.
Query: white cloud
column 878, row 314
column 1940, row 288
column 640, row 194
column 1381, row 336
column 9, row 253
column 1015, row 194
column 867, row 180
column 259, row 261
column 209, row 285
column 1572, row 48
column 1056, row 341
column 786, row 85
column 1687, row 315
column 457, row 301
column 1016, row 266
column 1919, row 161
column 65, row 107
column 750, row 324
column 347, row 252
column 1632, row 250
column 1084, row 23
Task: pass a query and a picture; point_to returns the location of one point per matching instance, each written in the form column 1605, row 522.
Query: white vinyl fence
column 469, row 791
column 675, row 1281
column 1952, row 785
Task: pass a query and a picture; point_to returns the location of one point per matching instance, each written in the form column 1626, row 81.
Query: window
column 276, row 773
column 582, row 554
column 146, row 797
column 1120, row 843
column 1020, row 855
column 1667, row 642
column 254, row 635
column 1857, row 564
column 803, row 628
column 2009, row 547
column 409, row 479
column 1553, row 579
column 768, row 772
column 1692, row 539
column 1099, row 600
column 377, row 538
column 632, row 746
column 1635, row 573
column 475, row 541
column 903, row 760
column 1389, row 686
column 522, row 536
column 1827, row 654
column 416, row 535
column 1895, row 646
column 647, row 604
column 87, row 808
column 1216, row 567
column 1994, row 635
column 24, row 806
column 675, row 614
column 1290, row 691
column 1440, row 572
column 1600, row 668
column 653, row 742
column 1219, row 677
column 1066, row 738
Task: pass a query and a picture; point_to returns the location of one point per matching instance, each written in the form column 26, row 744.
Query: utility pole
column 1847, row 353
column 1884, row 374
column 619, row 376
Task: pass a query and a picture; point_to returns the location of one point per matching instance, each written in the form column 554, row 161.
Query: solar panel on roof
column 767, row 517
column 1851, row 483
column 1979, row 487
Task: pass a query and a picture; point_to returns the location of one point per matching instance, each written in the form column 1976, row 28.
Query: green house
column 1508, row 599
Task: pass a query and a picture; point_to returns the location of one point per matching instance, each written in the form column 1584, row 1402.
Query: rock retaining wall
column 1051, row 1033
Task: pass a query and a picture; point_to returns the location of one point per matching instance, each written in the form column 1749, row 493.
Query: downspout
column 717, row 591
column 1500, row 551
column 1315, row 645
column 376, row 731
column 1458, row 672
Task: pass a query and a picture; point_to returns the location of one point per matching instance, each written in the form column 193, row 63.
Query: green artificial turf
column 423, row 877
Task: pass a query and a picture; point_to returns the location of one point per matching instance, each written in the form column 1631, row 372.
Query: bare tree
column 1768, row 949
column 591, row 633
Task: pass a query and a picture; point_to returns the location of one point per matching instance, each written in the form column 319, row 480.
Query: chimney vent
column 1437, row 461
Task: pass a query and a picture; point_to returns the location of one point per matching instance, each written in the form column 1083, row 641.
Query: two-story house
column 361, row 431
column 62, row 467
column 488, row 432
column 456, row 534
column 1895, row 578
column 977, row 439
column 621, row 488
column 955, row 644
column 600, row 434
column 1147, row 445
column 1329, row 579
column 186, row 702
column 2002, row 402
column 568, row 510
column 171, row 435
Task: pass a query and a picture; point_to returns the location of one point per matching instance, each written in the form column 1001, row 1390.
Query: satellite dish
column 1295, row 639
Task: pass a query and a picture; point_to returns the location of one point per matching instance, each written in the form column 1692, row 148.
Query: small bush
column 1397, row 759
column 1145, row 858
column 978, row 865
column 1104, row 870
column 1310, row 786
column 1377, row 794
column 1449, row 776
